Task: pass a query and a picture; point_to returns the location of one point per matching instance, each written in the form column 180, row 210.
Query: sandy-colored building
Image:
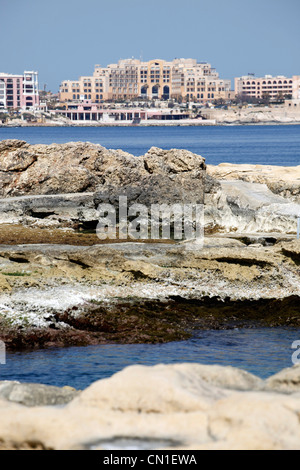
column 273, row 87
column 94, row 88
column 131, row 78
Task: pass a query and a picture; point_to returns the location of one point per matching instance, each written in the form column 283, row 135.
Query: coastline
column 157, row 124
column 61, row 287
column 206, row 117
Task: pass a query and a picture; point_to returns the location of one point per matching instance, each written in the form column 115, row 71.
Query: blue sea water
column 255, row 144
column 262, row 351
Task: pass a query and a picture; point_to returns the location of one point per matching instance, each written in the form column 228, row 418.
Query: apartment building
column 274, row 87
column 155, row 79
column 19, row 91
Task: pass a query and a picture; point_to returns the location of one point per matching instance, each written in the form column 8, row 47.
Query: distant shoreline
column 224, row 124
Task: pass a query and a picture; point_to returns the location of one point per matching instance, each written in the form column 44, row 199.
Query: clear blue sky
column 63, row 39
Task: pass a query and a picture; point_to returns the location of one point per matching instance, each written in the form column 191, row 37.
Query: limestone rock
column 18, row 160
column 281, row 180
column 285, row 381
column 49, row 169
column 65, row 183
column 160, row 177
column 255, row 421
column 169, row 389
column 253, row 198
column 157, row 160
column 291, row 250
column 74, row 294
column 77, row 167
column 35, row 394
column 4, row 284
column 174, row 407
column 48, row 210
column 249, row 207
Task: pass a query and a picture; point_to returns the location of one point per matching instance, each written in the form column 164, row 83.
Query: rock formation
column 174, row 407
column 63, row 185
column 163, row 177
column 253, row 199
column 281, row 180
column 35, row 394
column 73, row 295
column 79, row 167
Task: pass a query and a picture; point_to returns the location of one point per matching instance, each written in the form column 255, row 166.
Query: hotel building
column 156, row 79
column 19, row 91
column 268, row 86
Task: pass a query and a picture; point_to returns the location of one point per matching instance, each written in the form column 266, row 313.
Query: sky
column 64, row 39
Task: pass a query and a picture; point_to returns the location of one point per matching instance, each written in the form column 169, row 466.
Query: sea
column 255, row 144
column 260, row 351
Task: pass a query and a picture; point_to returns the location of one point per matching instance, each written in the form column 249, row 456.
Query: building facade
column 156, row 79
column 88, row 111
column 19, row 91
column 273, row 87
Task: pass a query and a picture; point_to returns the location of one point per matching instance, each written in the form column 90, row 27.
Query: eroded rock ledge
column 253, row 198
column 62, row 185
column 180, row 406
column 134, row 292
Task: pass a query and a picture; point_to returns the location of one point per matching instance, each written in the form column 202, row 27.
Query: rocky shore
column 53, row 295
column 170, row 407
column 61, row 285
column 261, row 115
